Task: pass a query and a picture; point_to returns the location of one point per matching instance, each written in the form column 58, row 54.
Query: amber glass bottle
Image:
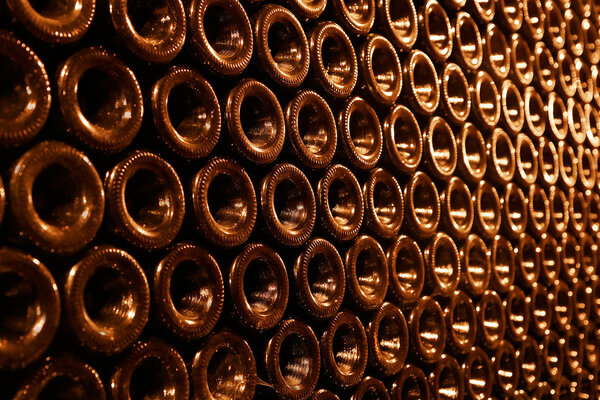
column 461, row 322
column 56, row 197
column 145, row 200
column 370, row 388
column 366, row 273
column 281, row 45
column 333, row 60
column 150, row 369
column 221, row 34
column 435, row 30
column 360, row 133
column 29, row 295
column 410, row 382
column 421, row 86
column 421, row 206
column 100, row 99
column 427, row 329
column 288, row 204
column 442, row 265
column 398, row 20
column 186, row 112
column 457, row 209
column 106, row 300
column 188, row 291
column 439, row 145
column 259, row 287
column 340, row 202
column 157, row 36
column 384, row 204
column 478, row 372
column 380, row 69
column 27, row 94
column 320, row 279
column 387, row 334
column 55, row 23
column 406, row 271
column 255, row 121
column 344, row 350
column 224, row 202
column 311, row 129
column 61, row 376
column 224, row 367
column 292, row 360
column 403, row 143
column 472, row 159
column 491, row 320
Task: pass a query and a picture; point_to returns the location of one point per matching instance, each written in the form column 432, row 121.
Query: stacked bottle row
column 404, row 202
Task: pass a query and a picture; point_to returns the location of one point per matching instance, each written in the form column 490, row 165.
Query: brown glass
column 421, row 87
column 457, row 209
column 224, row 367
column 549, row 258
column 406, row 271
column 530, row 363
column 320, row 279
column 540, row 307
column 514, row 211
column 446, row 379
column 311, row 129
column 440, row 153
column 442, row 265
column 292, row 360
column 547, row 162
column 387, row 334
column 281, row 45
column 56, row 197
column 398, row 21
column 516, row 308
column 145, row 200
column 467, row 42
column 158, row 37
column 106, row 300
column 62, row 375
column 340, row 202
column 26, row 98
column 427, row 331
column 435, row 30
column 344, row 350
column 478, row 373
column 54, row 23
column 221, row 34
column 32, row 307
column 288, row 204
column 384, row 204
column 380, row 69
column 360, row 133
column 506, row 368
column 333, row 60
column 188, row 291
column 255, row 121
column 485, row 100
column 366, row 273
column 150, row 369
column 502, row 261
column 422, row 206
column 403, row 142
column 259, row 287
column 486, row 203
column 461, row 322
column 410, row 382
column 472, row 160
column 224, row 202
column 186, row 112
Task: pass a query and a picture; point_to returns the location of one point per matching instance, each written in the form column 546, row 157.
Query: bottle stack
column 299, row 199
